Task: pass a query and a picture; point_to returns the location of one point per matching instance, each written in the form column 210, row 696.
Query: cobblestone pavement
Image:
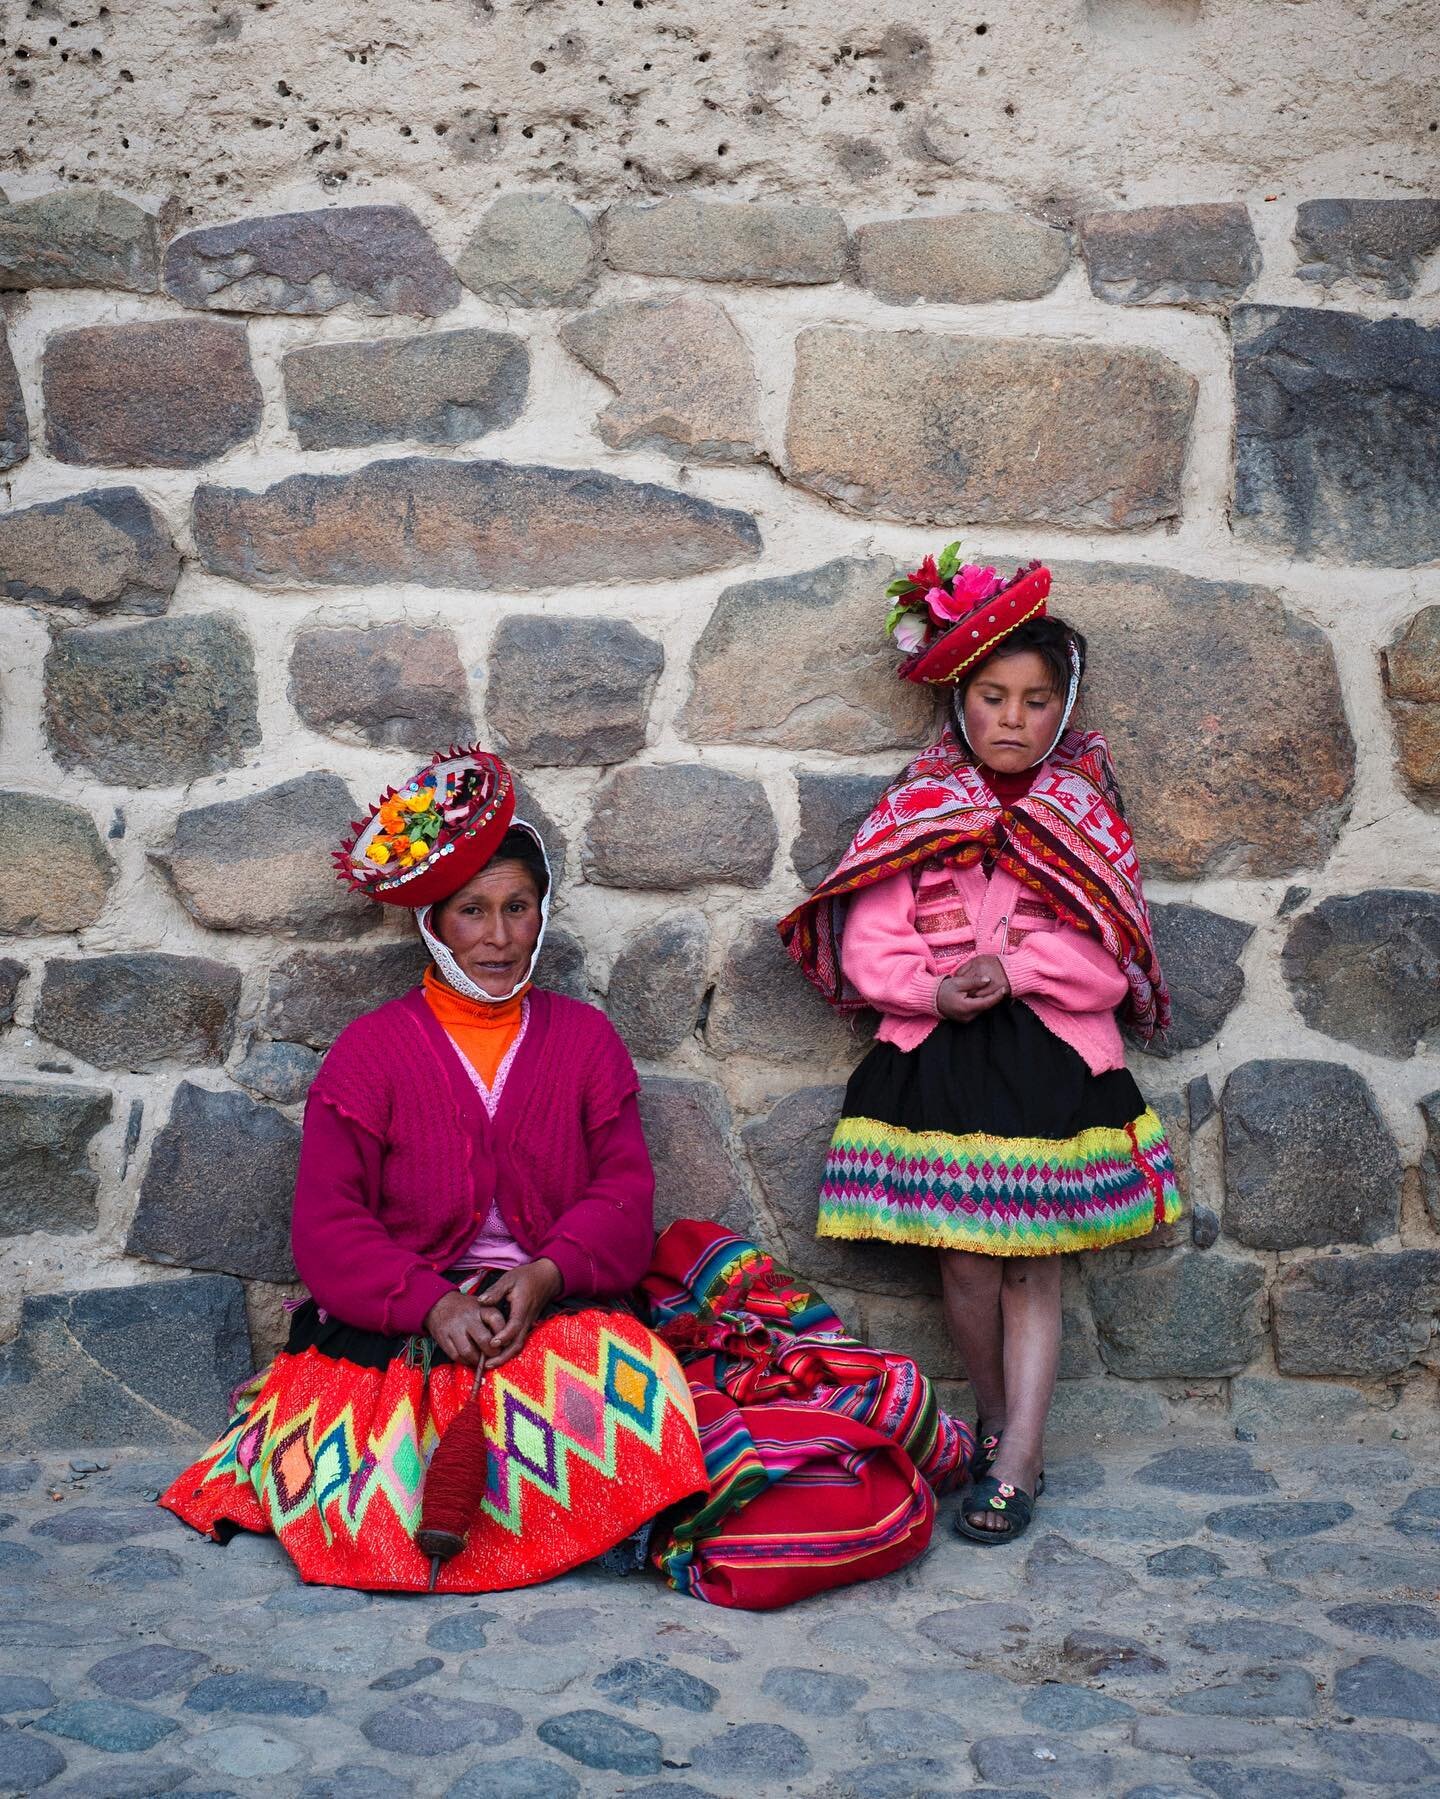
column 1192, row 1618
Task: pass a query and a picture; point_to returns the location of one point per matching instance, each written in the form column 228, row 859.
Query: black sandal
column 985, row 1457
column 1014, row 1504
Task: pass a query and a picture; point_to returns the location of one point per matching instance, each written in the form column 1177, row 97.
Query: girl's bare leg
column 1030, row 1313
column 972, row 1285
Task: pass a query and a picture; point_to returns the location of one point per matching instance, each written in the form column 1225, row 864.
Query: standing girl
column 990, row 908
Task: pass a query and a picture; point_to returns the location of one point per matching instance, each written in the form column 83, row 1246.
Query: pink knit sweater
column 904, row 935
column 400, row 1163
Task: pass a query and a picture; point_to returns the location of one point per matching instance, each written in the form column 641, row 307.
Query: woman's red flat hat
column 974, row 636
column 465, row 799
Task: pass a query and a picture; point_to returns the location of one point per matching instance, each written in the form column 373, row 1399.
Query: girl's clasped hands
column 973, row 988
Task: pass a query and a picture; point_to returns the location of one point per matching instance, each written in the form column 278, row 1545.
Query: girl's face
column 1012, row 711
column 491, row 926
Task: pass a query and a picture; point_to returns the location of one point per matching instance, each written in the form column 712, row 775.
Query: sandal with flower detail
column 987, row 1450
column 1013, row 1504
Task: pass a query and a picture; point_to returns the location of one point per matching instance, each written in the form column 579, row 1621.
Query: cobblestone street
column 1184, row 1618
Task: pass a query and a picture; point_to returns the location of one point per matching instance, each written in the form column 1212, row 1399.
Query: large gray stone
column 14, row 425
column 78, row 874
column 1213, row 783
column 166, row 393
column 1179, row 1313
column 218, row 1191
column 684, row 377
column 926, row 428
column 960, row 257
column 677, row 826
column 78, row 871
column 1056, row 1564
column 657, row 984
column 46, row 1181
column 312, row 994
column 378, row 259
column 257, row 864
column 1378, row 1687
column 787, row 1149
column 1365, row 968
column 154, row 704
column 384, row 685
column 447, row 387
column 530, row 250
column 1203, row 255
column 107, row 550
column 832, row 808
column 912, row 1326
column 1205, row 1470
column 598, row 1739
column 79, row 237
column 1334, row 432
column 763, row 1006
column 1311, row 1411
column 1381, row 244
column 799, row 662
column 1200, row 954
column 1308, row 1158
column 279, row 1071
column 1410, row 668
column 562, row 966
column 571, row 692
column 715, row 241
column 1049, row 1762
column 151, row 1363
column 475, row 525
column 1358, row 1314
column 690, row 1132
column 139, row 1010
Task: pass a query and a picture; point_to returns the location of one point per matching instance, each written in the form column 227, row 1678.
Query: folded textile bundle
column 824, row 1455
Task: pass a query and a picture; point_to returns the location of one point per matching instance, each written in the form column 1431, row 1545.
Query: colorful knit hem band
column 999, row 1196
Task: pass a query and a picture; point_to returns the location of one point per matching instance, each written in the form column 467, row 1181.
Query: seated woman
column 474, row 1198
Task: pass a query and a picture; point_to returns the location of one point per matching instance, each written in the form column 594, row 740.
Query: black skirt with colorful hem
column 993, row 1136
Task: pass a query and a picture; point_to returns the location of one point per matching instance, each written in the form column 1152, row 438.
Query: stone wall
column 576, row 438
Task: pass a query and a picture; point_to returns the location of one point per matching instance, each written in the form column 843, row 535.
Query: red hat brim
column 973, row 637
column 459, row 854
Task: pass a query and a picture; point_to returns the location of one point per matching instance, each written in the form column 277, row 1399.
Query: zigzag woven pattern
column 998, row 1196
column 591, row 1431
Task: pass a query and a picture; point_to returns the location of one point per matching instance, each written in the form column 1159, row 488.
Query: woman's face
column 1012, row 711
column 491, row 926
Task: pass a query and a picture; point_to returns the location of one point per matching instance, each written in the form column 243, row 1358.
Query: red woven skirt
column 591, row 1432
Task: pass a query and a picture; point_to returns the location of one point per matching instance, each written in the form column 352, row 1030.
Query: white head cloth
column 455, row 976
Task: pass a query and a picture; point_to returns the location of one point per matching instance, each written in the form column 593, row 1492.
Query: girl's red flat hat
column 973, row 637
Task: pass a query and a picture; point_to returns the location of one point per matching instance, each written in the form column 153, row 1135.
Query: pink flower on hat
column 972, row 585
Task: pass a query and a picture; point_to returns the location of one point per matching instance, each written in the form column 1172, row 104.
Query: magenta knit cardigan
column 400, row 1163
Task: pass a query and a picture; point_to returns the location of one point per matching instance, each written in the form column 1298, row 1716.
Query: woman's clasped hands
column 973, row 988
column 493, row 1326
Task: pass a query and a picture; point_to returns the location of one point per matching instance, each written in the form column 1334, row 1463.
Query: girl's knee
column 1038, row 1272
column 965, row 1268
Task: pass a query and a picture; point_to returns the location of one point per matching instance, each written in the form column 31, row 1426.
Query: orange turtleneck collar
column 483, row 1032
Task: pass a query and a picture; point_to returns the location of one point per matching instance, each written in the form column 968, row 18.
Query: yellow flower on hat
column 378, row 852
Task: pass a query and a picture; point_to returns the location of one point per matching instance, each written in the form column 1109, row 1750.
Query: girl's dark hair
column 1050, row 638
